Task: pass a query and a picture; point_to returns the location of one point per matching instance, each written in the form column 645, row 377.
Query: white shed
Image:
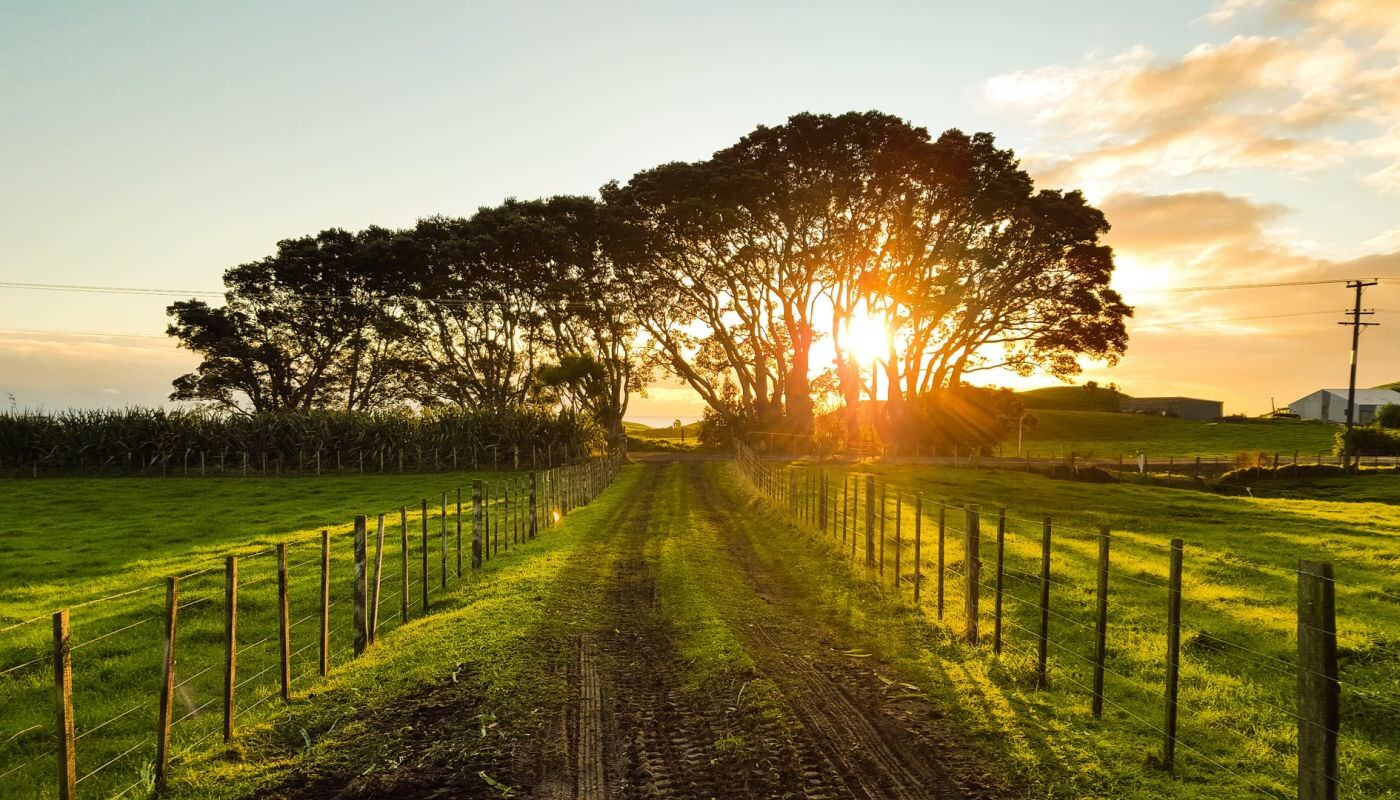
column 1331, row 404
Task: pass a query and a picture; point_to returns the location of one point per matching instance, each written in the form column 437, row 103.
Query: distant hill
column 692, row 431
column 1071, row 398
column 1395, row 386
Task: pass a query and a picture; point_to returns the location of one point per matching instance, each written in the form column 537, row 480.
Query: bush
column 1253, row 474
column 1388, row 417
column 1370, row 441
column 715, row 431
column 969, row 418
column 1065, row 472
column 1246, row 459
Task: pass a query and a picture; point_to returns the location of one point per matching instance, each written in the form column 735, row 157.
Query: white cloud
column 1302, row 102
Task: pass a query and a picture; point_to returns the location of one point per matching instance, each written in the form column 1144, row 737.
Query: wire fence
column 1128, row 625
column 94, row 707
column 1142, row 463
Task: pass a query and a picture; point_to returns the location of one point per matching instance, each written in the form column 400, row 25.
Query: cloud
column 1386, row 242
column 1147, row 223
column 1302, row 102
column 57, row 370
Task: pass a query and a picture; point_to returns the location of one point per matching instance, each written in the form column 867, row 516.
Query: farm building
column 1183, row 407
column 1330, row 405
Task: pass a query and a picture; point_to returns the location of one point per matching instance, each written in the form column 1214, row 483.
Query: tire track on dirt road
column 845, row 711
column 663, row 738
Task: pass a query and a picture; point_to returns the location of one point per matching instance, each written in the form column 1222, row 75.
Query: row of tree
column 725, row 272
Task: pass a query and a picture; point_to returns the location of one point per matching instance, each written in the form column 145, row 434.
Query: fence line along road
column 204, row 626
column 848, row 515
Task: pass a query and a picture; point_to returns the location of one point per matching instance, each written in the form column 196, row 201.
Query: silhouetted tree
column 312, row 326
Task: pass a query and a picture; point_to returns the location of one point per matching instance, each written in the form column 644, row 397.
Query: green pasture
column 1239, row 674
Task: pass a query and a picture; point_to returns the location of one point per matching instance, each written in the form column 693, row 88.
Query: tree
column 812, row 225
column 519, row 303
column 981, row 272
column 313, row 326
column 678, row 248
column 475, row 341
column 589, row 322
column 739, row 254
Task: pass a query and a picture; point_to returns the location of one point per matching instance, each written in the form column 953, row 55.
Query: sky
column 1229, row 141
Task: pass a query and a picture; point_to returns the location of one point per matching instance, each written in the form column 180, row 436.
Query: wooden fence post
column 325, row 659
column 845, row 508
column 869, row 521
column 1173, row 654
column 63, row 707
column 459, row 522
column 361, row 620
column 425, row 554
column 443, row 541
column 996, row 603
column 884, row 499
column 230, row 642
column 1319, row 694
column 918, row 544
column 855, row 517
column 972, row 573
column 1043, row 640
column 534, row 504
column 403, row 564
column 898, row 541
column 284, row 633
column 1101, row 623
column 476, row 524
column 378, row 584
column 942, row 536
column 167, row 685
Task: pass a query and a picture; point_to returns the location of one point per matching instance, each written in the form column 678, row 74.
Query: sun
column 867, row 336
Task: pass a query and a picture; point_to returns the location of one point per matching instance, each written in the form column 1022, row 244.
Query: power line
column 1229, row 286
column 68, row 287
column 1206, row 321
column 97, row 334
column 457, row 302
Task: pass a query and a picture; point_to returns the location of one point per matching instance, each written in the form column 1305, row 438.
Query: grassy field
column 468, row 695
column 1105, row 435
column 1075, row 398
column 73, row 542
column 1239, row 622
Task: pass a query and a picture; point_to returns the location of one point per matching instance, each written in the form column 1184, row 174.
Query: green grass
column 1071, row 398
column 1106, row 435
column 74, row 541
column 1238, row 683
column 691, row 430
column 494, row 639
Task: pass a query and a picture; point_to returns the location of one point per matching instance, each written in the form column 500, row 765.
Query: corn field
column 159, row 441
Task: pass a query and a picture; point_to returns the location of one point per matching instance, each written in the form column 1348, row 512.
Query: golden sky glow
column 1228, row 141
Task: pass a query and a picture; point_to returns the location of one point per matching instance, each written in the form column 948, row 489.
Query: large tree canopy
column 728, row 273
column 313, row 326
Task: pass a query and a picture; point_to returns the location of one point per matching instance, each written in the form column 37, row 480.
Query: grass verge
column 1238, row 727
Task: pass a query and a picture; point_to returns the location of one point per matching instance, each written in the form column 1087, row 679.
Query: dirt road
column 703, row 672
column 833, row 726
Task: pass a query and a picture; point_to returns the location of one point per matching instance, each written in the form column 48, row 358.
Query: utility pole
column 1356, row 324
